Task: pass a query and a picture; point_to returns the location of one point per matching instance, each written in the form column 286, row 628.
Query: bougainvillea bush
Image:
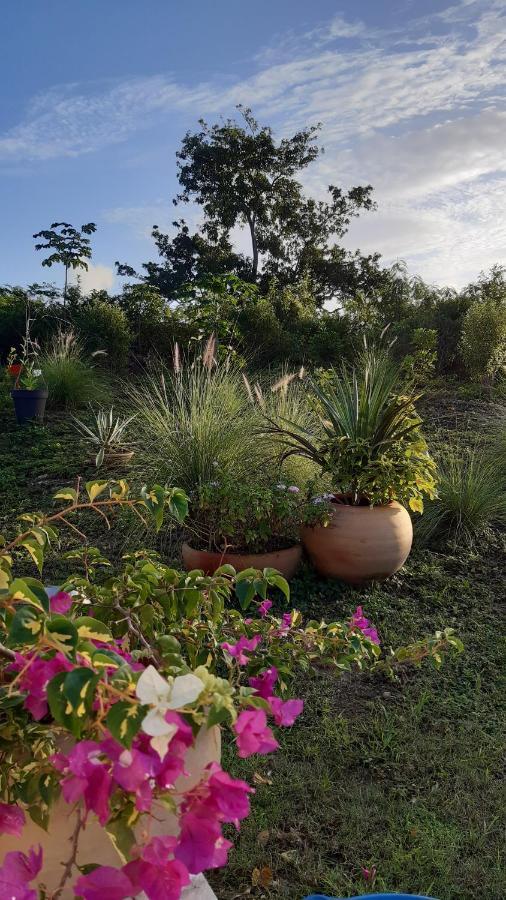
column 107, row 684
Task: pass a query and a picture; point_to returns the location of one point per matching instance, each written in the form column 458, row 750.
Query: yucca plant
column 71, row 377
column 107, row 433
column 471, row 498
column 366, row 436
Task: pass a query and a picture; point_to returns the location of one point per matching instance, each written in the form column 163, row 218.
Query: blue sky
column 97, row 94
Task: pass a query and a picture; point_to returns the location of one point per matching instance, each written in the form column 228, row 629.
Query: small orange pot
column 361, row 543
column 285, row 561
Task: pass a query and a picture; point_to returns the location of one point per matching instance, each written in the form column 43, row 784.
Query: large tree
column 241, row 176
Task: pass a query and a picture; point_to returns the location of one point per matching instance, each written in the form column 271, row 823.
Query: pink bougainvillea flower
column 230, row 795
column 12, row 819
column 16, row 872
column 285, row 711
column 133, row 771
column 369, row 874
column 253, row 735
column 155, row 873
column 264, row 682
column 60, row 603
column 287, row 620
column 201, row 844
column 86, row 776
column 35, row 678
column 105, row 881
column 244, row 643
column 264, row 607
column 358, row 620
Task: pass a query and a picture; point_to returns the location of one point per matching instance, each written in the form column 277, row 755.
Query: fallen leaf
column 261, row 877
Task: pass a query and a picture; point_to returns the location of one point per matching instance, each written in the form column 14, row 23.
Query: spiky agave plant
column 107, row 432
column 367, row 434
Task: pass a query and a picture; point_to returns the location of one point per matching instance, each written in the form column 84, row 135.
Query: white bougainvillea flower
column 163, row 695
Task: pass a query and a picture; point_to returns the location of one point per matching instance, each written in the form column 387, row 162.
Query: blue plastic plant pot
column 373, row 897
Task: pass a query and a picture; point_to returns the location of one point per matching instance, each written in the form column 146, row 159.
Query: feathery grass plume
column 71, row 377
column 193, row 424
column 471, row 498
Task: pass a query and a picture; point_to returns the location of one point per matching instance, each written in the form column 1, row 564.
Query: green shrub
column 483, row 342
column 103, row 326
column 470, row 499
column 71, row 377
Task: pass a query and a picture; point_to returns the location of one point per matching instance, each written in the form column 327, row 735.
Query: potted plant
column 369, row 445
column 108, row 435
column 246, row 525
column 29, row 393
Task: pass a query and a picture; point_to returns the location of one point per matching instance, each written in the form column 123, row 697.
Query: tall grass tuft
column 71, row 378
column 196, row 422
column 471, row 498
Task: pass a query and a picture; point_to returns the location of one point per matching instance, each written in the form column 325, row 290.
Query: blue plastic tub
column 373, row 897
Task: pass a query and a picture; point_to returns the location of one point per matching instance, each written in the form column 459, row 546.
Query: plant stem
column 70, row 863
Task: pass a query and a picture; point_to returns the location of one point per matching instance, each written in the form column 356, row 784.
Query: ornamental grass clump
column 195, row 420
column 471, row 498
column 70, row 374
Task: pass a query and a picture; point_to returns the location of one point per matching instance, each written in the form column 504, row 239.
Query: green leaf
column 66, row 494
column 192, row 600
column 79, row 689
column 124, row 721
column 63, row 630
column 30, row 590
column 226, row 569
column 95, row 488
column 90, row 629
column 36, row 552
column 245, row 590
column 154, row 501
column 217, row 715
column 275, row 579
column 26, row 627
column 107, row 658
column 59, row 705
column 178, row 504
column 122, row 837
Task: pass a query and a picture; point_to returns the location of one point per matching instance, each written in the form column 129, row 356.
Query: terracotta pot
column 362, row 543
column 95, row 845
column 115, row 460
column 285, row 561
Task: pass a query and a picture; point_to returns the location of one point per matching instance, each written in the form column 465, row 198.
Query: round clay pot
column 285, row 561
column 362, row 543
column 115, row 460
column 95, row 844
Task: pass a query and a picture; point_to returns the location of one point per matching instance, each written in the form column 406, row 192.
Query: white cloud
column 95, row 278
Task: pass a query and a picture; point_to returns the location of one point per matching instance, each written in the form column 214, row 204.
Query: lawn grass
column 406, row 776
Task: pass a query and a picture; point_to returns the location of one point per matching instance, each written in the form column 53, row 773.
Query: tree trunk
column 254, row 245
column 65, row 287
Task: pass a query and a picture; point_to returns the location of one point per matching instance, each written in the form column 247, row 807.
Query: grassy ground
column 407, row 776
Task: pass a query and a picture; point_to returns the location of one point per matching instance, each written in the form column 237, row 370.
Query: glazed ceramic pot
column 361, row 543
column 285, row 561
column 95, row 844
